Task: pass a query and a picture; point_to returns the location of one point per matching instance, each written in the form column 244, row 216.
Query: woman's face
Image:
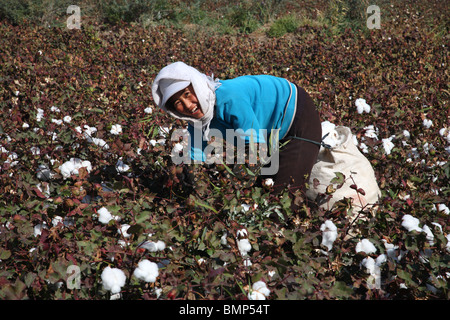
column 185, row 102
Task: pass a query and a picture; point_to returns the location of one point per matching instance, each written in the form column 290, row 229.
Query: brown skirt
column 297, row 157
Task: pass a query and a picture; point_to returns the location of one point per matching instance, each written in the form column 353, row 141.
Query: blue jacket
column 250, row 102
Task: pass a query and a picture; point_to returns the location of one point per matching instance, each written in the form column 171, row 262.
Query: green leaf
column 340, row 289
column 4, row 254
column 339, row 179
column 202, row 204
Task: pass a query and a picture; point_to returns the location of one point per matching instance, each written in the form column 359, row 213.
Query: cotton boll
column 244, row 246
column 373, row 268
column 57, row 220
column 72, row 167
column 259, row 291
column 242, row 233
column 116, row 129
column 177, row 148
column 362, row 106
column 121, row 166
column 39, row 115
column 371, row 132
column 104, row 216
column 330, row 134
column 147, row 271
column 44, row 173
column 427, row 123
column 247, row 263
column 364, row 148
column 388, row 145
column 445, row 132
column 164, row 131
column 442, row 207
column 406, row 134
column 123, row 230
column 44, row 189
column 329, row 234
column 410, row 223
column 429, row 234
column 391, row 250
column 113, row 279
column 89, row 131
column 369, row 264
column 160, row 245
column 365, row 246
column 153, row 246
column 268, row 182
column 99, row 142
column 38, row 228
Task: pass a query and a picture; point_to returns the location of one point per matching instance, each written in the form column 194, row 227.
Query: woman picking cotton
column 255, row 108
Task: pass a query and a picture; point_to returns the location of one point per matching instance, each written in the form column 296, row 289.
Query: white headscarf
column 177, row 76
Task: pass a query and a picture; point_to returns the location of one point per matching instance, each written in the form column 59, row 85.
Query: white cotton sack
column 344, row 157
